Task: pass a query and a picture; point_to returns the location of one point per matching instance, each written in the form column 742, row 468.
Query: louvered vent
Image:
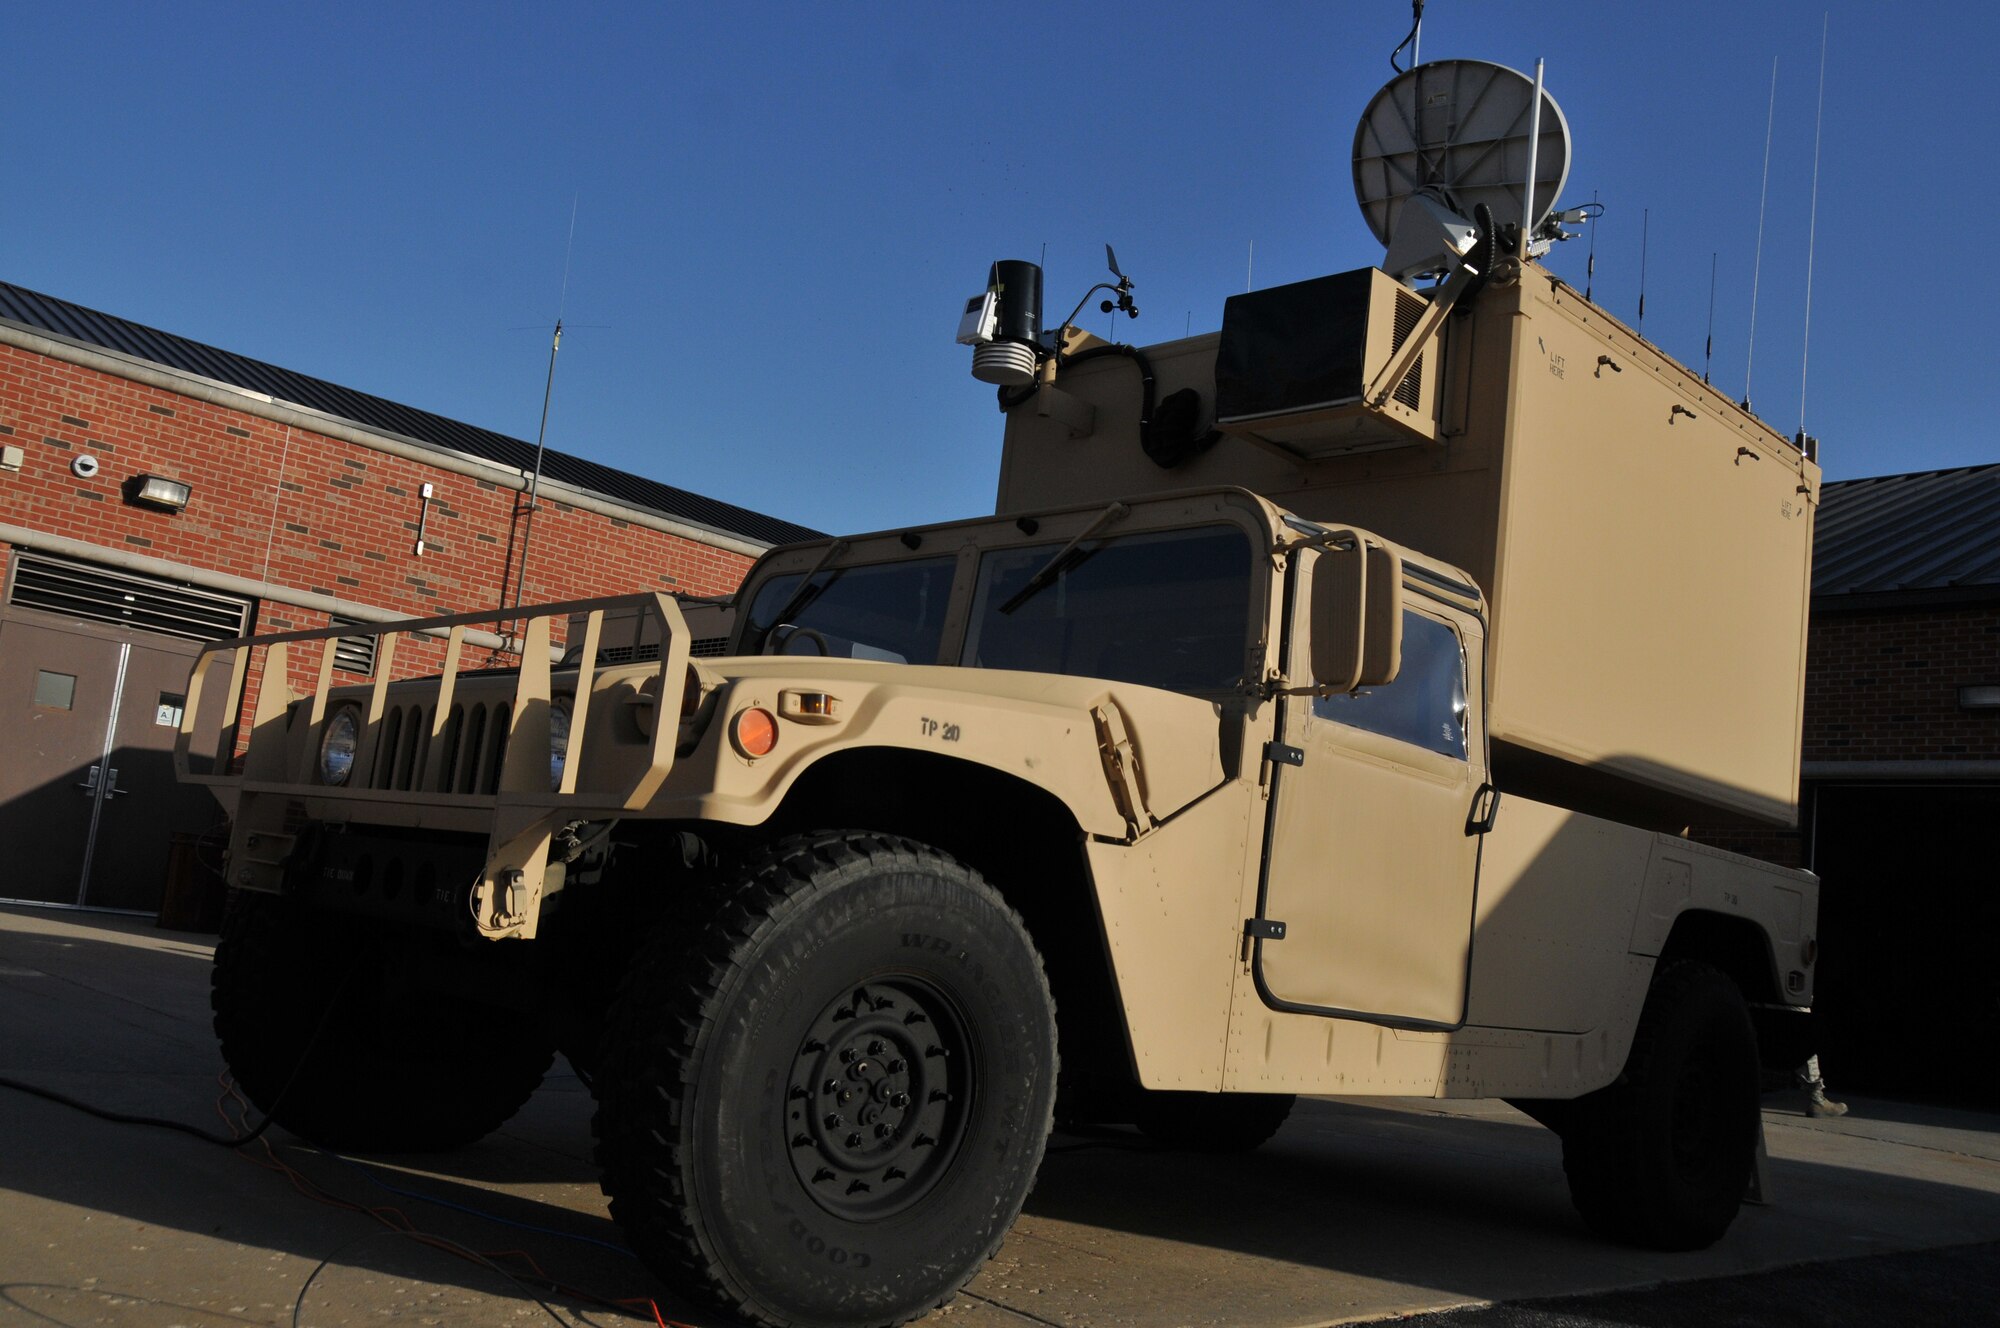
column 355, row 654
column 1409, row 311
column 702, row 647
column 103, row 594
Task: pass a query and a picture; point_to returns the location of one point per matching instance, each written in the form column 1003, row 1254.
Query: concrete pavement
column 1358, row 1210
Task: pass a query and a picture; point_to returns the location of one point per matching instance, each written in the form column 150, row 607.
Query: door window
column 55, row 690
column 1425, row 706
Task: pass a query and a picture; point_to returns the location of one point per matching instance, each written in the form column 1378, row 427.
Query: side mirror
column 1357, row 615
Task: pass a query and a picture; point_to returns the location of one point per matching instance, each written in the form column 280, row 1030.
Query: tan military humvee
column 1336, row 748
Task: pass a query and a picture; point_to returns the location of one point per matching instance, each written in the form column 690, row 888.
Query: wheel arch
column 1735, row 945
column 1029, row 847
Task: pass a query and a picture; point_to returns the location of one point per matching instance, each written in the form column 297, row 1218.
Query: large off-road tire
column 387, row 1066
column 1662, row 1157
column 1211, row 1122
column 827, row 1105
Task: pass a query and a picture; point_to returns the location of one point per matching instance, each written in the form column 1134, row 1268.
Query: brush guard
column 269, row 780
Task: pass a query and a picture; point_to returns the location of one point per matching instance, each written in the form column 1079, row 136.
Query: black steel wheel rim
column 878, row 1097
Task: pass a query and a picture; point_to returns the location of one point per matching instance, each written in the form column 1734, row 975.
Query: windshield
column 892, row 612
column 1168, row 609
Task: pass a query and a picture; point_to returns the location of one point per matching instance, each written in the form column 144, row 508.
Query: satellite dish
column 1457, row 131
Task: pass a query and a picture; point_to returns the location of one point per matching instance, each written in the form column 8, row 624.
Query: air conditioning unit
column 1304, row 367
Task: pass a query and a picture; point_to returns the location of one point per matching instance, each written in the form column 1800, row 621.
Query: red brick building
column 156, row 493
column 1900, row 786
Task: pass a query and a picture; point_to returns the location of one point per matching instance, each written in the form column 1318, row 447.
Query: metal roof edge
column 182, row 383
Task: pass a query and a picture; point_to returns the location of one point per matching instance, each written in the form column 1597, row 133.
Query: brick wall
column 1883, row 685
column 284, row 505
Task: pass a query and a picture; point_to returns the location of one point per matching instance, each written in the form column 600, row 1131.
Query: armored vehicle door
column 1372, row 863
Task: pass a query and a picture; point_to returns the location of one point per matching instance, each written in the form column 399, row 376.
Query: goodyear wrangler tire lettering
column 817, row 1108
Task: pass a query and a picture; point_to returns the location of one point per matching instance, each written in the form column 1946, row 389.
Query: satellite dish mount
column 1443, row 140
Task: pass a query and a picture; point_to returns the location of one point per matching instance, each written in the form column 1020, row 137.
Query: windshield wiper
column 1062, row 561
column 807, row 592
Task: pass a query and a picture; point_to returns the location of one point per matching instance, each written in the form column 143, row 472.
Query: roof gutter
column 181, row 383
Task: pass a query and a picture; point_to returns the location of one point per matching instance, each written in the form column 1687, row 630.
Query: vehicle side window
column 1425, row 705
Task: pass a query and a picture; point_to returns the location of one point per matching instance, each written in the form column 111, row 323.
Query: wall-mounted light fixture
column 1979, row 696
column 158, row 491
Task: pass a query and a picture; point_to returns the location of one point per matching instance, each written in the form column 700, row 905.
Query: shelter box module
column 1644, row 543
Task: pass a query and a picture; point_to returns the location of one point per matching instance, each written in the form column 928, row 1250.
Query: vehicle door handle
column 1485, row 806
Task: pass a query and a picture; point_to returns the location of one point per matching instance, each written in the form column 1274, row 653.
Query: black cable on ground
column 436, row 1242
column 206, row 1136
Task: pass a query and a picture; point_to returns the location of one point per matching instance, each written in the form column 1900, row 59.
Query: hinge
column 1263, row 929
column 1279, row 753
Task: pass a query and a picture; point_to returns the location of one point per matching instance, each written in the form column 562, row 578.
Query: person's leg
column 1817, row 1102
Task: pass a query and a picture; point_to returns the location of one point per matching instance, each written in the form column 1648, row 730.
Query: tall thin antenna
column 1250, row 265
column 535, row 479
column 1645, row 234
column 1812, row 227
column 1763, row 195
column 562, row 302
column 1590, row 264
column 542, row 431
column 1708, row 347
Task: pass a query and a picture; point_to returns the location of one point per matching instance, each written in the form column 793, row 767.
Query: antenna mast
column 1812, row 226
column 1708, row 347
column 1645, row 233
column 542, row 432
column 1590, row 264
column 1757, row 269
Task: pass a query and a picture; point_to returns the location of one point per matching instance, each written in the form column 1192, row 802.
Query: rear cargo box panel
column 1645, row 545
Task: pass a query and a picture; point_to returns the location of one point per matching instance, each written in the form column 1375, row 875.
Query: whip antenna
column 1708, row 348
column 1645, row 233
column 1812, row 226
column 542, row 432
column 1757, row 268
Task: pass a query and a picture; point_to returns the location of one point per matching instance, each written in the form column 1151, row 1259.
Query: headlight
column 337, row 745
column 558, row 740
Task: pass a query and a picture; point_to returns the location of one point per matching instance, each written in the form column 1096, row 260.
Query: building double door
column 88, row 799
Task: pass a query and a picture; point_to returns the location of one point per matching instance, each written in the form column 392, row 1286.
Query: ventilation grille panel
column 80, row 589
column 1409, row 312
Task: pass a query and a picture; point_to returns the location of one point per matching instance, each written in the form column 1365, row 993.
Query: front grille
column 474, row 743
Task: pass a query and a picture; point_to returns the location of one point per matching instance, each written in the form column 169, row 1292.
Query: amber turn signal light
column 754, row 731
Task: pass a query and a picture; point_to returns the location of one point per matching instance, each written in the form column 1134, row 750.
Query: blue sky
column 780, row 209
